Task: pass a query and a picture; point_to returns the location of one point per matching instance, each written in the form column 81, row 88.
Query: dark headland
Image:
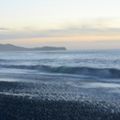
column 10, row 47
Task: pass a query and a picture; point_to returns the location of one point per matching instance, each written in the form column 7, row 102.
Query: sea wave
column 97, row 72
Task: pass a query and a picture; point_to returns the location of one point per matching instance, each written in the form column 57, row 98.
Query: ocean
column 82, row 83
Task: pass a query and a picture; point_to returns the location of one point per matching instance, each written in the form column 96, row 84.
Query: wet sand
column 24, row 108
column 50, row 100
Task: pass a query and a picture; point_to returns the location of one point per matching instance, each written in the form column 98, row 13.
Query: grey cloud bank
column 6, row 34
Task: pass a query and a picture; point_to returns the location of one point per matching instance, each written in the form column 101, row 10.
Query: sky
column 75, row 24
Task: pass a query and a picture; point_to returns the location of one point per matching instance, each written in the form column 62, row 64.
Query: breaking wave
column 97, row 72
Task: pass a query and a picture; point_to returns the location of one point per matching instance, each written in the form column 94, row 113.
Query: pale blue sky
column 58, row 18
column 47, row 14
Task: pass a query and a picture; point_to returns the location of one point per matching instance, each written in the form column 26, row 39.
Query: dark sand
column 24, row 108
column 53, row 100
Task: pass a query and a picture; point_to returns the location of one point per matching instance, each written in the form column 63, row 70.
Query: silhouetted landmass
column 10, row 47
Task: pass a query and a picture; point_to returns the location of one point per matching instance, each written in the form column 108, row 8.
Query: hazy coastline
column 10, row 47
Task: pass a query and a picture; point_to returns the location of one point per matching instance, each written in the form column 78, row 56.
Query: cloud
column 72, row 30
column 4, row 29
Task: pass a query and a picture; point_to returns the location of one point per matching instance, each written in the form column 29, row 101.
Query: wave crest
column 97, row 72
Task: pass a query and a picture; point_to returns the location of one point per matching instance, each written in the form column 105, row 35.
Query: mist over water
column 89, row 68
column 83, row 81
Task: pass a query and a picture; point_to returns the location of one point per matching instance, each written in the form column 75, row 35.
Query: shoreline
column 24, row 108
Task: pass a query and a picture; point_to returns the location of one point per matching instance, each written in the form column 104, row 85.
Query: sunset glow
column 43, row 22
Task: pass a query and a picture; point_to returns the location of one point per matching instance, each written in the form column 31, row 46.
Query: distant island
column 10, row 47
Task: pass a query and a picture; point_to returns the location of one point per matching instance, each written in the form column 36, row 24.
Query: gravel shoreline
column 24, row 108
